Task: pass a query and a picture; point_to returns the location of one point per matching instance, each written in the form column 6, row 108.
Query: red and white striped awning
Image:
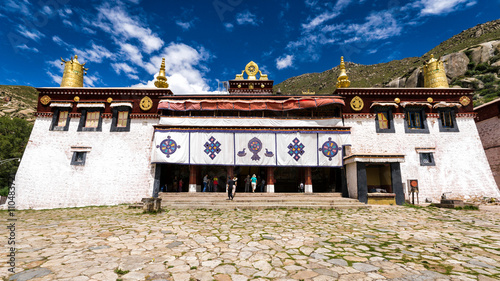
column 248, row 105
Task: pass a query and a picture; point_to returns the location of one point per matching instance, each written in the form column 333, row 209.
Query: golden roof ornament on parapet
column 434, row 74
column 161, row 79
column 343, row 80
column 251, row 70
column 73, row 72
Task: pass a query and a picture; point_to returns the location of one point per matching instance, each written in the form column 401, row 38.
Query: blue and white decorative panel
column 170, row 147
column 255, row 149
column 297, row 149
column 249, row 148
column 211, row 148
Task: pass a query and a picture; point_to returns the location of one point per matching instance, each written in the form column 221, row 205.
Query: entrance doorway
column 170, row 177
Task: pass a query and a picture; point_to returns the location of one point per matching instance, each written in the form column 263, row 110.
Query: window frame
column 74, row 161
column 431, row 162
column 55, row 119
column 114, row 122
column 390, row 119
column 421, row 110
column 453, row 113
column 83, row 120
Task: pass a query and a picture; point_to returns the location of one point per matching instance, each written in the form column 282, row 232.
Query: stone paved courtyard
column 382, row 243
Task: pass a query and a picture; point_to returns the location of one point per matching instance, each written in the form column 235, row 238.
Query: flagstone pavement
column 381, row 243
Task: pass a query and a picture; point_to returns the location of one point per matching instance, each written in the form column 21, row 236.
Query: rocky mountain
column 18, row 101
column 471, row 59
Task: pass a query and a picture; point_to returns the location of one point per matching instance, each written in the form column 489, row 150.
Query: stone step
column 262, row 207
column 251, row 194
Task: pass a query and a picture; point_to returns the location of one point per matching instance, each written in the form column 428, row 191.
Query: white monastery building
column 107, row 146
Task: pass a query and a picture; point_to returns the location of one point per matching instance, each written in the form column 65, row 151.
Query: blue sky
column 122, row 42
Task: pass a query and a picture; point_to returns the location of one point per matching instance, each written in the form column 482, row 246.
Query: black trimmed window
column 383, row 120
column 78, row 158
column 121, row 119
column 91, row 120
column 427, row 159
column 447, row 122
column 415, row 120
column 60, row 119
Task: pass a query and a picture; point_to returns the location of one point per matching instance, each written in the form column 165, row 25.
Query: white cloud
column 184, row 25
column 95, row 54
column 246, row 17
column 25, row 47
column 284, row 62
column 441, row 7
column 56, row 78
column 229, row 26
column 59, row 41
column 91, row 80
column 184, row 69
column 378, row 26
column 34, row 34
column 126, row 69
column 121, row 26
column 22, row 7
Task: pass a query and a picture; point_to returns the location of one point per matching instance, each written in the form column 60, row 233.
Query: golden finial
column 343, row 80
column 308, row 92
column 251, row 69
column 161, row 80
column 434, row 74
column 73, row 73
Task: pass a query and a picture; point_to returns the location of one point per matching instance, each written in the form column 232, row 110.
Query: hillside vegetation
column 481, row 70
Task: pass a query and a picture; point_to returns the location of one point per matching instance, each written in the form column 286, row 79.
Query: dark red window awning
column 247, row 105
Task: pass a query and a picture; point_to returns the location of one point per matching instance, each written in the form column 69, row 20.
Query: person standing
column 230, row 184
column 205, row 183
column 262, row 185
column 216, row 183
column 247, row 183
column 180, row 185
column 176, row 185
column 254, row 182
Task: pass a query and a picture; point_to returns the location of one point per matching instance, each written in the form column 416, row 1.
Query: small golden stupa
column 434, row 74
column 73, row 73
column 343, row 80
column 161, row 79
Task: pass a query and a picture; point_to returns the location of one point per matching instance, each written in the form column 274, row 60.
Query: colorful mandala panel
column 168, row 146
column 329, row 149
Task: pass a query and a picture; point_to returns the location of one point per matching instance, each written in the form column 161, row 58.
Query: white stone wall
column 352, row 180
column 117, row 168
column 489, row 131
column 461, row 164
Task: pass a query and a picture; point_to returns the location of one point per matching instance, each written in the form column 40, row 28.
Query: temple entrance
column 171, row 176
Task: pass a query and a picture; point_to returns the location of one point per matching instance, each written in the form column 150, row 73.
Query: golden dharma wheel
column 45, row 100
column 146, row 103
column 357, row 103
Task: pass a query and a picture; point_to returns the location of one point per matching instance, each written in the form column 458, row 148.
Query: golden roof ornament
column 308, row 92
column 161, row 79
column 251, row 69
column 73, row 73
column 434, row 74
column 343, row 80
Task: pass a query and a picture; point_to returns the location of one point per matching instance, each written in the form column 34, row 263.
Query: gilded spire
column 434, row 74
column 343, row 80
column 73, row 73
column 161, row 80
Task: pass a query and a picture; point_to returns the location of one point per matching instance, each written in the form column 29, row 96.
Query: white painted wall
column 117, row 169
column 461, row 164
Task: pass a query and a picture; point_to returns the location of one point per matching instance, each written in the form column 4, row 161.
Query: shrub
column 487, row 78
column 481, row 67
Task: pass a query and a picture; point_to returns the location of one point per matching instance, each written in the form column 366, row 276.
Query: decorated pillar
column 192, row 178
column 308, row 187
column 270, row 179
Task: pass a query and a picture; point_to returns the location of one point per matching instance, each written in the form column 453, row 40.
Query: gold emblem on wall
column 357, row 103
column 251, row 69
column 397, row 100
column 45, row 100
column 465, row 101
column 77, row 99
column 146, row 103
column 429, row 99
column 109, row 100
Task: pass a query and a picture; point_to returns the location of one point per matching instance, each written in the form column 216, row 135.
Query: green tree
column 14, row 135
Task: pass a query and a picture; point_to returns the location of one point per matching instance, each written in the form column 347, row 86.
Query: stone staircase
column 258, row 201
